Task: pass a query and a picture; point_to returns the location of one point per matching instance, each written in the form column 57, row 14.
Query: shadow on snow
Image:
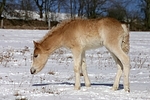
column 82, row 84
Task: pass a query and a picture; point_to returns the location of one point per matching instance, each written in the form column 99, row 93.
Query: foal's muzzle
column 32, row 70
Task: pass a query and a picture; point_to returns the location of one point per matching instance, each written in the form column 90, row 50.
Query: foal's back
column 91, row 33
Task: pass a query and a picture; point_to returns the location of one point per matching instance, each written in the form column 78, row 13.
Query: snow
column 35, row 15
column 56, row 80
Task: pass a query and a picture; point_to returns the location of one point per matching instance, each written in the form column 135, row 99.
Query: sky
column 132, row 6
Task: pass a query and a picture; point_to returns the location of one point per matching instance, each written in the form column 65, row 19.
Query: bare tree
column 88, row 8
column 11, row 6
column 47, row 9
column 94, row 8
column 40, row 5
column 27, row 6
column 145, row 7
column 2, row 4
column 81, row 6
column 50, row 6
column 61, row 5
column 118, row 9
column 68, row 6
column 118, row 13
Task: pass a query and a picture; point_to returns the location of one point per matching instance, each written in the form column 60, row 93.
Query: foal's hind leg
column 124, row 59
column 119, row 72
column 84, row 71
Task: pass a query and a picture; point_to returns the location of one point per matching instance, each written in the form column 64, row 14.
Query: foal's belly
column 92, row 44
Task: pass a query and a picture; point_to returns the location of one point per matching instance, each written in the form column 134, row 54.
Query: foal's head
column 40, row 58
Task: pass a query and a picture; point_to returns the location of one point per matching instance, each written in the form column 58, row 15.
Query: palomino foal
column 80, row 35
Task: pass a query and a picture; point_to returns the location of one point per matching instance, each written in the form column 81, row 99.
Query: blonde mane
column 59, row 26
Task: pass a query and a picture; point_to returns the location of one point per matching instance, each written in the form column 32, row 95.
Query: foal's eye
column 35, row 56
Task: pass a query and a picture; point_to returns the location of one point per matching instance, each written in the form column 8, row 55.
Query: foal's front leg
column 84, row 71
column 77, row 75
column 77, row 55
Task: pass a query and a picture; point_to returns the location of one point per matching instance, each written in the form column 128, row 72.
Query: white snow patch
column 16, row 82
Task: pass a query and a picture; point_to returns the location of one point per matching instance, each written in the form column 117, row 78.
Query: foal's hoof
column 88, row 85
column 114, row 89
column 76, row 88
column 127, row 90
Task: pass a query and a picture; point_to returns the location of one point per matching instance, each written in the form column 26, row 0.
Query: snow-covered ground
column 56, row 80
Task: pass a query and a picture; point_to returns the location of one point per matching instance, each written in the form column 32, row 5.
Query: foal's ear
column 36, row 45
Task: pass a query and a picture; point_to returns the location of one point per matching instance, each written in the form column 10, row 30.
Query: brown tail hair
column 125, row 42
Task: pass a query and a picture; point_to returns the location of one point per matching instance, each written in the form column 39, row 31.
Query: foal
column 80, row 35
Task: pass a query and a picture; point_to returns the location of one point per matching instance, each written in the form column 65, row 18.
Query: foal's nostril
column 32, row 70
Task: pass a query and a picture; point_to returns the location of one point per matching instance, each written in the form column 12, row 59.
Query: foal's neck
column 52, row 42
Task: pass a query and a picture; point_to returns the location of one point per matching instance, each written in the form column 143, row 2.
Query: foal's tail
column 125, row 41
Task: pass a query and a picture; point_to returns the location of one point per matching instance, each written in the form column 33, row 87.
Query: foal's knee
column 77, row 69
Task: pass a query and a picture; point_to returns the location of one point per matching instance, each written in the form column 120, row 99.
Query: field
column 56, row 80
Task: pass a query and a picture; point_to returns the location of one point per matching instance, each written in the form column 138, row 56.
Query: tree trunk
column 41, row 13
column 2, row 4
column 40, row 7
column 2, row 26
